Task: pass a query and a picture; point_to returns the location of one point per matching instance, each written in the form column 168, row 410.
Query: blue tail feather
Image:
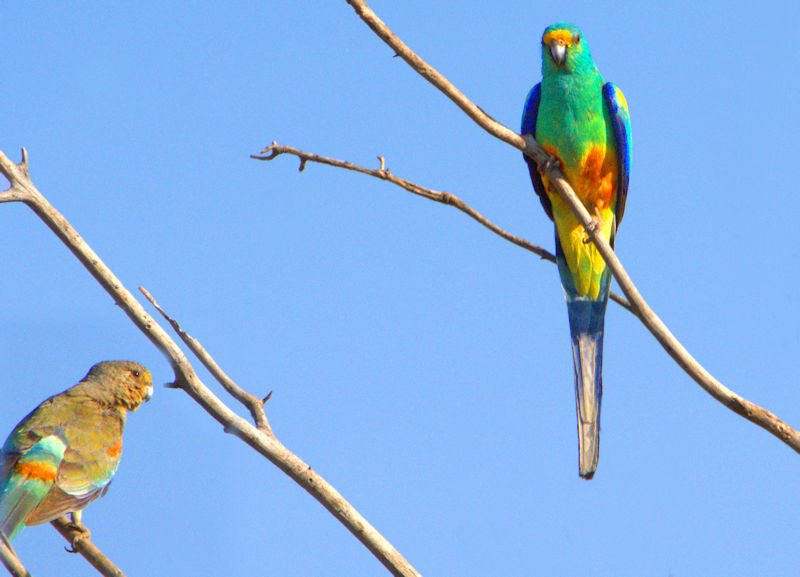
column 586, row 327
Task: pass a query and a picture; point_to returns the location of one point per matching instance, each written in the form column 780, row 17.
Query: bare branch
column 274, row 150
column 23, row 190
column 10, row 560
column 528, row 145
column 383, row 173
column 430, row 74
column 82, row 544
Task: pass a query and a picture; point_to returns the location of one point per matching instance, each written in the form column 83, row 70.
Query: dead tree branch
column 260, row 439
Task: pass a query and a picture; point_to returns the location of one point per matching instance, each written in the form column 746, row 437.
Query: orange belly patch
column 599, row 175
column 594, row 180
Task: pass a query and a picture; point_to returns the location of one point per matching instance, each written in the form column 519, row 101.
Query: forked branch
column 253, row 403
column 258, row 437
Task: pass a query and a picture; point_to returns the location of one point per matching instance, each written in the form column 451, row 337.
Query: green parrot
column 582, row 121
column 63, row 455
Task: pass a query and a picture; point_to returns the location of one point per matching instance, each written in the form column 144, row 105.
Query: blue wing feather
column 531, row 110
column 621, row 122
column 529, row 115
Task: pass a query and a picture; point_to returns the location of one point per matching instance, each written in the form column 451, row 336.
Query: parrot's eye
column 578, row 38
column 135, row 373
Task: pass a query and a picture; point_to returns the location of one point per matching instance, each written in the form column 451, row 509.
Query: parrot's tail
column 586, row 325
column 26, row 481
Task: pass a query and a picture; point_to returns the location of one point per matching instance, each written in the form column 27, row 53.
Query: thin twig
column 83, row 545
column 528, row 145
column 23, row 190
column 10, row 560
column 274, row 150
column 253, row 403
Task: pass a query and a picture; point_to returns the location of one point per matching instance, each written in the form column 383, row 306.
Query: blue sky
column 418, row 362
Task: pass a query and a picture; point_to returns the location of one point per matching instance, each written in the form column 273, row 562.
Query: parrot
column 583, row 122
column 63, row 455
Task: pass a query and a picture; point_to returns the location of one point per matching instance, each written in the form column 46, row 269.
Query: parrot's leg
column 598, row 218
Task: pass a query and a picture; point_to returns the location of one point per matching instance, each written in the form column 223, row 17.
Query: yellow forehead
column 564, row 36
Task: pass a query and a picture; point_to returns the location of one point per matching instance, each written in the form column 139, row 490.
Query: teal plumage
column 582, row 121
column 63, row 455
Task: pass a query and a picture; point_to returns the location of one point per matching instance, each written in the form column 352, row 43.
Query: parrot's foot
column 596, row 224
column 549, row 164
column 82, row 533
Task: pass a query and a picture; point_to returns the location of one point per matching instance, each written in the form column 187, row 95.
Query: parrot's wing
column 30, row 476
column 79, row 482
column 621, row 121
column 57, row 503
column 529, row 116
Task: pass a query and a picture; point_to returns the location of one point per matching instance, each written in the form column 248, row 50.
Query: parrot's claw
column 83, row 534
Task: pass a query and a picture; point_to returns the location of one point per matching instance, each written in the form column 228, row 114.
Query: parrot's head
column 122, row 383
column 564, row 50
